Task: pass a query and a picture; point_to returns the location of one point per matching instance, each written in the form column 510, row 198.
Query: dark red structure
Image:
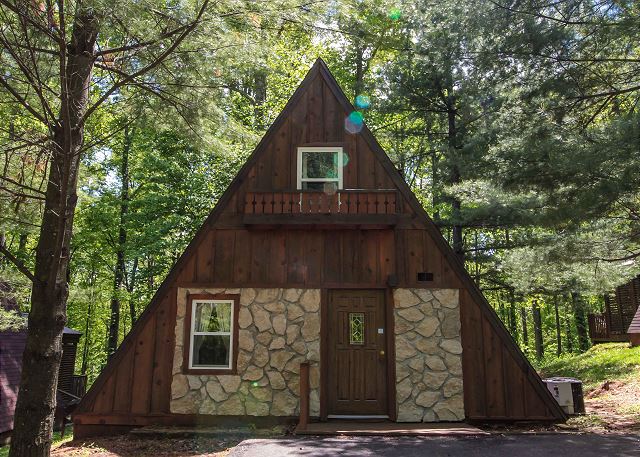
column 634, row 330
column 70, row 387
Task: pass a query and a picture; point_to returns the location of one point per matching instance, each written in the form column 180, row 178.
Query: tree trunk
column 455, row 177
column 537, row 328
column 568, row 327
column 513, row 326
column 119, row 275
column 581, row 322
column 558, row 332
column 260, row 96
column 359, row 82
column 525, row 332
column 130, row 286
column 33, row 420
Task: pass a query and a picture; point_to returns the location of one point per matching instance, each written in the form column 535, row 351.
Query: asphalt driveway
column 544, row 445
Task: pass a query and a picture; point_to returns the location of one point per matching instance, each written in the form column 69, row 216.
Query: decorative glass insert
column 356, row 328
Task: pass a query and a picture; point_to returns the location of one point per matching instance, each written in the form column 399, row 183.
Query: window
column 320, row 168
column 212, row 333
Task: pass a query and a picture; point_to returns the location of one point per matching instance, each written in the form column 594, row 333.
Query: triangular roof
column 634, row 327
column 320, row 69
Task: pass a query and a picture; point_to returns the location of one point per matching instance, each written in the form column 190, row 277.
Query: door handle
column 381, row 353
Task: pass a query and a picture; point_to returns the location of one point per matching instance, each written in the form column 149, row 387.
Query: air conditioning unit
column 568, row 394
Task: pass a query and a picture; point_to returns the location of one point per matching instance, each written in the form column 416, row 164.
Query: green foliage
column 603, row 362
column 517, row 126
column 11, row 321
column 57, row 441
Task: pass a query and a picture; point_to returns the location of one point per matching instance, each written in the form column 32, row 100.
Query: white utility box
column 568, row 394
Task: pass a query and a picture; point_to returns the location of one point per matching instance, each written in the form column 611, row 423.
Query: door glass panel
column 356, row 328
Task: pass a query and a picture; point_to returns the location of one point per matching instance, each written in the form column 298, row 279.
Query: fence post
column 304, row 396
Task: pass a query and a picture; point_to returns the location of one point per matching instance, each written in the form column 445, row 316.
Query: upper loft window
column 320, row 168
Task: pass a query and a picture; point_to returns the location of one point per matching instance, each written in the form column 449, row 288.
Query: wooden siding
column 11, row 349
column 499, row 382
column 141, row 382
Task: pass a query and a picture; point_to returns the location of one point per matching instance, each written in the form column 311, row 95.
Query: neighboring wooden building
column 317, row 252
column 619, row 309
column 11, row 348
column 634, row 330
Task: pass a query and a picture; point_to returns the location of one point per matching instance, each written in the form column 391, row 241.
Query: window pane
column 213, row 317
column 330, row 186
column 356, row 328
column 319, row 165
column 211, row 350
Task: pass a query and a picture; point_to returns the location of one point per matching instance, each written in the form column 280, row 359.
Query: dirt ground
column 612, row 408
column 135, row 446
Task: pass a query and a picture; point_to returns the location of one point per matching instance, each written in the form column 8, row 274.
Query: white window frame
column 193, row 334
column 332, row 149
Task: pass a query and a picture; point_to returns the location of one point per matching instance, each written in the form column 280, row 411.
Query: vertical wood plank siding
column 498, row 383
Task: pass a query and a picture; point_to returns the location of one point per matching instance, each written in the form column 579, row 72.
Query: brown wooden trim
column 391, row 354
column 304, row 396
column 324, row 381
column 329, row 144
column 186, row 340
column 279, row 285
column 357, row 220
column 176, row 419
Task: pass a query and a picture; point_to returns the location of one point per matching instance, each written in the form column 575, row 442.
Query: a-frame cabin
column 318, row 252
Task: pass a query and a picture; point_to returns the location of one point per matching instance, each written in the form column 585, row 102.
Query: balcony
column 603, row 329
column 359, row 207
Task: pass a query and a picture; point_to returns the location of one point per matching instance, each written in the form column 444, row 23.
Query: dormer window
column 320, row 168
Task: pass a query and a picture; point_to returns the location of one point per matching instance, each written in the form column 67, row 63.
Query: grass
column 57, row 441
column 603, row 362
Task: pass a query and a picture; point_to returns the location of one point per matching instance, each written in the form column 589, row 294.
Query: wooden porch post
column 304, row 396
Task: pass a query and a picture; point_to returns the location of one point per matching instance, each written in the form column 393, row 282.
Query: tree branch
column 151, row 65
column 22, row 100
column 18, row 264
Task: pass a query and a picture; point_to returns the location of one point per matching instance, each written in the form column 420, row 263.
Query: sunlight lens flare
column 395, row 14
column 354, row 122
column 363, row 101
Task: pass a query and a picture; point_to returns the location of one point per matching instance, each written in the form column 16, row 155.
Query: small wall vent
column 423, row 276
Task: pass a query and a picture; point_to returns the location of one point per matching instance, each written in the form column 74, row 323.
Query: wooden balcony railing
column 600, row 329
column 307, row 202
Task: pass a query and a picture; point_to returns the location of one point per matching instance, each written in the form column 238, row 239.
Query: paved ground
column 551, row 445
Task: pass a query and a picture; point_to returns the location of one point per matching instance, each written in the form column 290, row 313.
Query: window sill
column 210, row 371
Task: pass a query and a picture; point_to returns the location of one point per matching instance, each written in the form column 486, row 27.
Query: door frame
column 390, row 348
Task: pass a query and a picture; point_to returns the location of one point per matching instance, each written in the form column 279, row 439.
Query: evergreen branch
column 151, row 65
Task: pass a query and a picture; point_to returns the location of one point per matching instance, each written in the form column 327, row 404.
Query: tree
column 50, row 53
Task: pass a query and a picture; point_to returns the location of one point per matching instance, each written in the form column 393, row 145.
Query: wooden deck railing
column 600, row 329
column 308, row 202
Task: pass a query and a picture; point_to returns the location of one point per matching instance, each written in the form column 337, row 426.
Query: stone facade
column 428, row 355
column 278, row 329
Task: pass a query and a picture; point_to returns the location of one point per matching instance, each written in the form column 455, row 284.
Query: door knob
column 381, row 353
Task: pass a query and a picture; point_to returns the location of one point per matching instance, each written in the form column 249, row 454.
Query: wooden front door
column 357, row 359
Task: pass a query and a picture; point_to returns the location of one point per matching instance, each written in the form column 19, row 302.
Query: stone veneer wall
column 279, row 328
column 428, row 355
